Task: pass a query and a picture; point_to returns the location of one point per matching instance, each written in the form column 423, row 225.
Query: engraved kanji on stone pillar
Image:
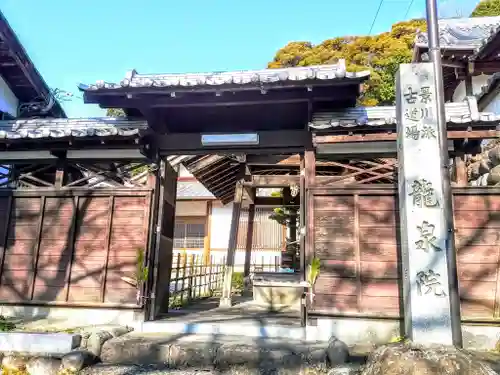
column 423, row 228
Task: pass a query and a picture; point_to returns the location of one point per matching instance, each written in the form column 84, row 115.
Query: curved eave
column 463, row 113
column 64, row 129
column 238, row 80
column 19, row 71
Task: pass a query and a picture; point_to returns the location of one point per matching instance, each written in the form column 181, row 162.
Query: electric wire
column 376, row 16
column 408, row 9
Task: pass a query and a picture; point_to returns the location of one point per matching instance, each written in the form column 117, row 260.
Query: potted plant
column 140, row 276
column 312, row 276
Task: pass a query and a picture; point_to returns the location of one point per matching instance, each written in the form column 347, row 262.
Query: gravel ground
column 155, row 370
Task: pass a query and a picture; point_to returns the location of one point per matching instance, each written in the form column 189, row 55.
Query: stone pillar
column 225, row 300
column 424, row 234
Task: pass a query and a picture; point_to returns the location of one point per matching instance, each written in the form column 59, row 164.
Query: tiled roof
column 491, row 84
column 456, row 113
column 59, row 128
column 246, row 77
column 463, row 33
column 192, row 189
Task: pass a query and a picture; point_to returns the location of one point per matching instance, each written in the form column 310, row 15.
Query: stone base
column 402, row 359
column 225, row 302
column 277, row 297
column 356, row 331
column 73, row 316
column 51, row 344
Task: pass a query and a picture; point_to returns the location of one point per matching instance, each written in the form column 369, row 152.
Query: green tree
column 115, row 112
column 381, row 54
column 487, row 8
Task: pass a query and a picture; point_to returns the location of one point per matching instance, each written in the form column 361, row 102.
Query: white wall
column 219, row 239
column 183, row 172
column 266, row 258
column 477, row 83
column 220, row 225
column 8, row 101
column 494, row 105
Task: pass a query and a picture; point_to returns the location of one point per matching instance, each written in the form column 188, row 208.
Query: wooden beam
column 133, row 154
column 454, row 64
column 269, row 201
column 281, row 181
column 452, row 134
column 130, row 97
column 27, row 157
column 273, row 181
column 286, row 141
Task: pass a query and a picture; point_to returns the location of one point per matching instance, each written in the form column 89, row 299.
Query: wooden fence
column 71, row 247
column 193, row 279
column 356, row 237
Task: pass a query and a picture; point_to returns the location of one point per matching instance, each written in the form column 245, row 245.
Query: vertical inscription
column 421, row 197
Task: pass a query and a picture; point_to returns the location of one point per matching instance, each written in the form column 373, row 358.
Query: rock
column 337, row 352
column 79, row 359
column 408, row 359
column 346, row 369
column 43, row 366
column 96, row 340
column 85, row 338
column 266, row 355
column 13, row 362
column 193, row 354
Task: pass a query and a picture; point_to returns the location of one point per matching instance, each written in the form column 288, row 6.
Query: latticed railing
column 71, row 174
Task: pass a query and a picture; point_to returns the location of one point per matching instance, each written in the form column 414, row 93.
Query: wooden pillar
column 460, row 170
column 309, row 181
column 249, row 240
column 225, row 300
column 206, row 240
column 59, row 178
column 469, row 89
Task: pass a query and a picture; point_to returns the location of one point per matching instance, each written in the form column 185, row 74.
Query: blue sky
column 84, row 41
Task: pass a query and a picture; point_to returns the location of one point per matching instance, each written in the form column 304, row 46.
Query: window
column 189, row 233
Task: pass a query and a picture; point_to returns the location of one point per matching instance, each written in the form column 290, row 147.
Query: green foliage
column 115, row 112
column 138, row 168
column 398, row 339
column 6, row 325
column 381, row 54
column 314, row 269
column 487, row 8
column 142, row 271
column 278, row 214
column 237, row 281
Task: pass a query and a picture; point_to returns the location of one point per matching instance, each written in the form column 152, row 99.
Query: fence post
column 210, row 277
column 183, row 283
column 199, row 286
column 190, row 277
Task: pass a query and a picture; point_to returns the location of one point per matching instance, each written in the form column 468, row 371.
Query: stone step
column 248, row 328
column 220, row 351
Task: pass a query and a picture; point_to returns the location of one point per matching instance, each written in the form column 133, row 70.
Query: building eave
column 234, row 80
column 32, row 86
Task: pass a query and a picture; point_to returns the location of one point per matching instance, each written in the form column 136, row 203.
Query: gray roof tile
column 246, row 77
column 456, row 113
column 60, row 128
column 192, row 189
column 463, row 33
